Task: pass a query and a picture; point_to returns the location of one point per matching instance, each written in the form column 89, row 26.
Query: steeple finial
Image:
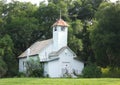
column 60, row 14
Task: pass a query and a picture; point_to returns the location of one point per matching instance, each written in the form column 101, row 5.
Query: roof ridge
column 59, row 51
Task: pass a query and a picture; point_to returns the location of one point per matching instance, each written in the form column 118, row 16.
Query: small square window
column 63, row 28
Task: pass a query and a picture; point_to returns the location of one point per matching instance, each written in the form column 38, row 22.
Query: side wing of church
column 57, row 57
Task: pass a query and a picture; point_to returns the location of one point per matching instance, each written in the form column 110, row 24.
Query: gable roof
column 60, row 51
column 60, row 22
column 36, row 48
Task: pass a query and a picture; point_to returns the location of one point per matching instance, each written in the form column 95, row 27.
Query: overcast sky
column 32, row 1
column 38, row 1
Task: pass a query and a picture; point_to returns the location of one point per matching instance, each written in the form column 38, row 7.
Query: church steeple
column 60, row 32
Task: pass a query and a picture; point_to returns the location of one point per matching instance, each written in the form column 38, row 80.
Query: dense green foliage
column 106, row 35
column 8, row 60
column 92, row 71
column 3, row 68
column 111, row 72
column 94, row 33
column 40, row 81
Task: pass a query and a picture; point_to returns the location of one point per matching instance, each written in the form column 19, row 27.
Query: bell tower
column 60, row 34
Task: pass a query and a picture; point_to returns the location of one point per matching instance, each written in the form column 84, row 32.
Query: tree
column 17, row 31
column 105, row 36
column 84, row 10
column 3, row 68
column 2, row 22
column 7, row 57
column 21, row 25
column 86, row 53
column 74, row 42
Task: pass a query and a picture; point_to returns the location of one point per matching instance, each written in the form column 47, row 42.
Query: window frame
column 55, row 29
column 63, row 28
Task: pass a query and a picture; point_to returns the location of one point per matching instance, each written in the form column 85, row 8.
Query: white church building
column 57, row 57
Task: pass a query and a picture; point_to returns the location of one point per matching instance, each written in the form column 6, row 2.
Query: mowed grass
column 48, row 81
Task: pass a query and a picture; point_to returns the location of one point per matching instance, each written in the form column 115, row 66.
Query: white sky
column 32, row 1
column 38, row 1
column 113, row 0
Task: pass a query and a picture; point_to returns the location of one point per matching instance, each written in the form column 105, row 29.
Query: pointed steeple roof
column 60, row 22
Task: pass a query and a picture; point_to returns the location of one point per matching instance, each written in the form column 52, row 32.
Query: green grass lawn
column 44, row 81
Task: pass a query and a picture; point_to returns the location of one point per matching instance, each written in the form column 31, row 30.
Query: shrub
column 21, row 74
column 92, row 71
column 3, row 68
column 37, row 73
column 111, row 72
column 34, row 68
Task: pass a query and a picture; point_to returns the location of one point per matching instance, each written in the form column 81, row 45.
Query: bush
column 111, row 72
column 92, row 71
column 21, row 74
column 3, row 68
column 37, row 73
column 34, row 68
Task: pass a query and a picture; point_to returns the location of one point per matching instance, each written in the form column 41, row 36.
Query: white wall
column 59, row 38
column 22, row 65
column 45, row 52
column 62, row 41
column 46, row 69
column 54, row 69
column 67, row 58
